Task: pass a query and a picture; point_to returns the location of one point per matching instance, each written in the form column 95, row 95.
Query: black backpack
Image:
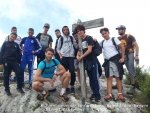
column 62, row 40
column 45, row 65
column 96, row 48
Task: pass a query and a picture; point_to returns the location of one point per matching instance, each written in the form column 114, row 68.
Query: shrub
column 143, row 84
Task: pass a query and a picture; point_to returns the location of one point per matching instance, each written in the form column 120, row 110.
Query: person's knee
column 67, row 74
column 109, row 78
column 36, row 85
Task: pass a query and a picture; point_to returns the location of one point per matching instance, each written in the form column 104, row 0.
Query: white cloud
column 3, row 36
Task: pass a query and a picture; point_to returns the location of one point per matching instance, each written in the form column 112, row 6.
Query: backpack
column 96, row 48
column 62, row 40
column 45, row 65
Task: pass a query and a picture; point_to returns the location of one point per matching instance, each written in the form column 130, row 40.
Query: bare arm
column 50, row 44
column 136, row 47
column 37, row 77
column 122, row 50
column 61, row 70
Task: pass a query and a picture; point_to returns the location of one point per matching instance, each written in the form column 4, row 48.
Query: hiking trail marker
column 88, row 25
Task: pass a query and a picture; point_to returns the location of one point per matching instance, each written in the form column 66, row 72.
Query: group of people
column 57, row 66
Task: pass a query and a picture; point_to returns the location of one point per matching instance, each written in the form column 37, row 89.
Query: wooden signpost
column 88, row 25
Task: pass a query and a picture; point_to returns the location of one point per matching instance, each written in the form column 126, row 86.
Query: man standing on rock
column 113, row 63
column 66, row 49
column 45, row 40
column 10, row 59
column 17, row 40
column 46, row 78
column 90, row 62
column 58, row 35
column 130, row 45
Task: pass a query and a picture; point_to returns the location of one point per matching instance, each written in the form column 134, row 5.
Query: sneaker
column 97, row 98
column 72, row 91
column 108, row 98
column 79, row 88
column 68, row 90
column 92, row 97
column 8, row 93
column 53, row 90
column 121, row 98
column 63, row 97
column 28, row 86
column 20, row 91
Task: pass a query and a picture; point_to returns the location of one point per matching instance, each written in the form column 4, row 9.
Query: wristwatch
column 137, row 54
column 56, row 74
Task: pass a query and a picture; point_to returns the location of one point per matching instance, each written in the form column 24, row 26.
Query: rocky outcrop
column 28, row 102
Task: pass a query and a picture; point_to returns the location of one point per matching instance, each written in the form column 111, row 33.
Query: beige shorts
column 47, row 86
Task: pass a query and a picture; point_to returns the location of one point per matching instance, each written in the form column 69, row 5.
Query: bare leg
column 65, row 78
column 109, row 85
column 132, row 80
column 119, row 84
column 38, row 86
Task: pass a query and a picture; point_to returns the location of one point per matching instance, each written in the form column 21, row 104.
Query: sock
column 110, row 95
column 62, row 91
column 44, row 92
column 119, row 94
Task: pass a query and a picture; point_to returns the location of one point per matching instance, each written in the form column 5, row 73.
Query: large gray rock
column 28, row 102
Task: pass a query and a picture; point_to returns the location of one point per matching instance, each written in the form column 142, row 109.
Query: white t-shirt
column 109, row 49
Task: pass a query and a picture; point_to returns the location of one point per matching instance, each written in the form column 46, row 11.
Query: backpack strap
column 71, row 38
column 114, row 43
column 54, row 61
column 44, row 66
column 102, row 43
column 61, row 39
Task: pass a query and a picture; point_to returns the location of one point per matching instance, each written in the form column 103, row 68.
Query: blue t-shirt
column 50, row 68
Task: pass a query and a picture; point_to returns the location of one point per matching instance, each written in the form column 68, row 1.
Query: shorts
column 76, row 64
column 47, row 86
column 113, row 70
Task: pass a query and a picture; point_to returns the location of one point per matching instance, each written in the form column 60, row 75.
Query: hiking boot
column 8, row 93
column 108, row 98
column 53, row 90
column 72, row 91
column 121, row 98
column 92, row 97
column 131, row 91
column 20, row 91
column 79, row 88
column 63, row 97
column 68, row 90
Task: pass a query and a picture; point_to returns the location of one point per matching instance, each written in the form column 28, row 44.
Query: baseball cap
column 121, row 27
column 46, row 25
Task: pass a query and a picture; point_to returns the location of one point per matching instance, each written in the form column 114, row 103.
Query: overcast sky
column 134, row 14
